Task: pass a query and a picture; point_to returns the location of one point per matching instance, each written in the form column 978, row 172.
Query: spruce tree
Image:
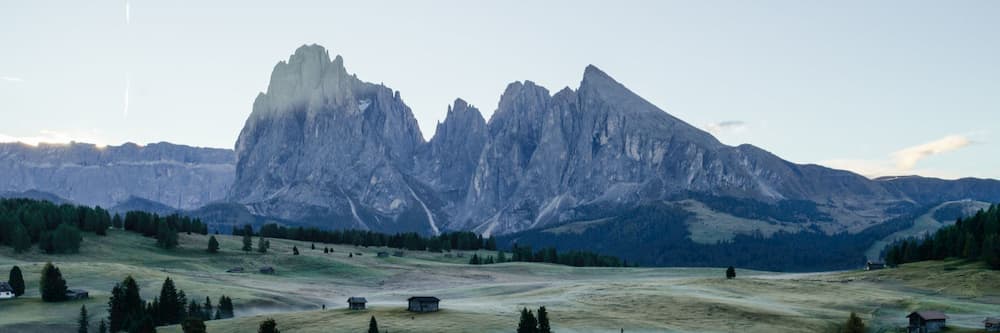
column 855, row 324
column 372, row 325
column 247, row 242
column 102, row 326
column 193, row 325
column 313, row 246
column 731, row 272
column 528, row 323
column 52, row 286
column 268, row 326
column 83, row 323
column 262, row 245
column 194, row 310
column 543, row 320
column 19, row 238
column 166, row 237
column 169, row 311
column 16, row 281
column 116, row 222
column 207, row 309
column 213, row 245
column 295, row 250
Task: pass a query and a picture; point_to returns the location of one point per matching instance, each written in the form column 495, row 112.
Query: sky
column 879, row 88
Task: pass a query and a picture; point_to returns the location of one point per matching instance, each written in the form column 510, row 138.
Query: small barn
column 75, row 294
column 873, row 265
column 6, row 291
column 235, row 270
column 267, row 270
column 423, row 304
column 356, row 303
column 383, row 254
column 992, row 324
column 926, row 321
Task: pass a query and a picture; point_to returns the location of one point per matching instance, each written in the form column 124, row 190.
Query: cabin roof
column 928, row 315
column 357, row 300
column 424, row 299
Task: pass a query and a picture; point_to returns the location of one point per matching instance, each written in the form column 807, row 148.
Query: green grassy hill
column 487, row 298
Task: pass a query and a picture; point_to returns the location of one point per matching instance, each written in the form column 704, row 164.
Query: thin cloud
column 11, row 79
column 57, row 137
column 726, row 126
column 904, row 161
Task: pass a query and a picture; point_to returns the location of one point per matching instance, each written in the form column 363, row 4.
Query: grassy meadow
column 487, row 298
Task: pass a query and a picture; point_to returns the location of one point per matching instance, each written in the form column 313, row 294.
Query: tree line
column 975, row 237
column 461, row 240
column 54, row 228
column 127, row 311
column 163, row 228
column 551, row 255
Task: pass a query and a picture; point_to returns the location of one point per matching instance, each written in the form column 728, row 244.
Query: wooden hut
column 423, row 304
column 926, row 321
column 356, row 303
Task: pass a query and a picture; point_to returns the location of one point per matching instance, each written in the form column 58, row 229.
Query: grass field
column 487, row 298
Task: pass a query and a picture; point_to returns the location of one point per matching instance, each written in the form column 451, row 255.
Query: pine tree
column 193, row 325
column 295, row 250
column 170, row 311
column 16, row 281
column 268, row 326
column 116, row 222
column 326, row 250
column 102, row 326
column 213, row 245
column 501, row 257
column 855, row 324
column 225, row 307
column 247, row 242
column 543, row 320
column 731, row 272
column 373, row 326
column 313, row 246
column 208, row 309
column 20, row 239
column 166, row 237
column 83, row 323
column 194, row 310
column 52, row 286
column 262, row 245
column 528, row 323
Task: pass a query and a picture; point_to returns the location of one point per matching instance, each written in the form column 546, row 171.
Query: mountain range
column 322, row 147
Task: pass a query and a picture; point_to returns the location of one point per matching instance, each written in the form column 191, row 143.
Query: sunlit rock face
column 174, row 175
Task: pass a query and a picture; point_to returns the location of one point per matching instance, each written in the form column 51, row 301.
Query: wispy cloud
column 903, row 161
column 57, row 137
column 11, row 79
column 726, row 126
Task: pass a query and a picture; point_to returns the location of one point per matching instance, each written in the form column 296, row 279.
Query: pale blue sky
column 853, row 84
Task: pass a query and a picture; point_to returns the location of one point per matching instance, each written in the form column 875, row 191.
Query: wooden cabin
column 6, row 290
column 926, row 321
column 423, row 304
column 356, row 303
column 235, row 270
column 991, row 324
column 872, row 265
column 267, row 270
column 75, row 294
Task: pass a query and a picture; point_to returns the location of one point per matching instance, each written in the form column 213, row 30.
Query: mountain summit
column 324, row 147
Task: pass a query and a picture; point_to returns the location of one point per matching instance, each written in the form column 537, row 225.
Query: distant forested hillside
column 975, row 237
column 656, row 235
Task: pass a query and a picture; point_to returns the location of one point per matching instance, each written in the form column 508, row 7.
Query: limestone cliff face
column 177, row 176
column 324, row 147
column 320, row 143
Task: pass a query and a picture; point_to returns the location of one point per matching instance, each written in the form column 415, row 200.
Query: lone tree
column 372, row 325
column 213, row 245
column 262, row 245
column 52, row 286
column 855, row 324
column 543, row 321
column 193, row 325
column 16, row 281
column 268, row 326
column 528, row 323
column 84, row 321
column 730, row 272
column 295, row 250
column 247, row 242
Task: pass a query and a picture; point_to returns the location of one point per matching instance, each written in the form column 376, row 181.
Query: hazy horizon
column 892, row 88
